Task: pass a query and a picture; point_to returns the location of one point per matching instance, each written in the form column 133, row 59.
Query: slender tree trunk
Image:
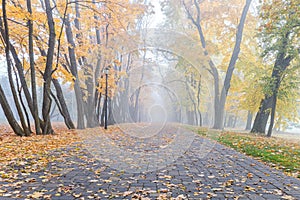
column 25, row 130
column 32, row 72
column 193, row 102
column 64, row 108
column 273, row 110
column 19, row 67
column 234, row 121
column 104, row 108
column 231, row 66
column 110, row 120
column 47, row 129
column 249, row 120
column 88, row 106
column 229, row 121
column 198, row 102
column 73, row 63
column 8, row 112
column 225, row 119
column 220, row 100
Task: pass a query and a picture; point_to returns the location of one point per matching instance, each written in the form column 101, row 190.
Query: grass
column 277, row 152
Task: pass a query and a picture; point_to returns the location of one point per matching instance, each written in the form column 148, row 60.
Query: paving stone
column 204, row 168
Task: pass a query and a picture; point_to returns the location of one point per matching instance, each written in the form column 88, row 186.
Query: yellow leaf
column 36, row 195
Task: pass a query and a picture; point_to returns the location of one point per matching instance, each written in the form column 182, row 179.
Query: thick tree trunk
column 261, row 119
column 281, row 63
column 90, row 104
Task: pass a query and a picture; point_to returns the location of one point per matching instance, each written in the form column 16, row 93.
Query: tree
column 32, row 70
column 280, row 41
column 6, row 108
column 220, row 96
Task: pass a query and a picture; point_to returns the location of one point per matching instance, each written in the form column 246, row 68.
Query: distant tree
column 220, row 95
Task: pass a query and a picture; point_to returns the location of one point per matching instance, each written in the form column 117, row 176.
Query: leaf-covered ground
column 279, row 153
column 97, row 164
column 33, row 150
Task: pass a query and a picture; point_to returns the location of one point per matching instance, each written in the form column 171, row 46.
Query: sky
column 158, row 16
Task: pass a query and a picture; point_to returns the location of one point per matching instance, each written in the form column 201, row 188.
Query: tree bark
column 4, row 102
column 47, row 129
column 273, row 109
column 249, row 120
column 281, row 63
column 220, row 100
column 9, row 114
column 73, row 66
column 64, row 109
column 198, row 102
column 32, row 71
column 26, row 130
column 231, row 66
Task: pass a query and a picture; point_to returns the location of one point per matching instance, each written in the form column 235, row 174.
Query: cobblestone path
column 171, row 163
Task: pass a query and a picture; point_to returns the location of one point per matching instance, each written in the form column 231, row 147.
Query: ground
column 141, row 162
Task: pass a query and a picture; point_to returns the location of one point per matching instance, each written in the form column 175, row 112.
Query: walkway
column 150, row 162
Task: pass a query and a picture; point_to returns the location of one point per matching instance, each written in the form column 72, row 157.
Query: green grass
column 277, row 152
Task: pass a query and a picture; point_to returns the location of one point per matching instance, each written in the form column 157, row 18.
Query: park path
column 131, row 163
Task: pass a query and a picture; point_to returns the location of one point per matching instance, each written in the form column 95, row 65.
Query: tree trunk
column 73, row 63
column 234, row 121
column 8, row 113
column 64, row 109
column 194, row 114
column 20, row 69
column 273, row 109
column 225, row 120
column 110, row 120
column 26, row 130
column 261, row 119
column 281, row 63
column 231, row 66
column 104, row 108
column 47, row 129
column 220, row 100
column 90, row 105
column 198, row 102
column 32, row 72
column 249, row 120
